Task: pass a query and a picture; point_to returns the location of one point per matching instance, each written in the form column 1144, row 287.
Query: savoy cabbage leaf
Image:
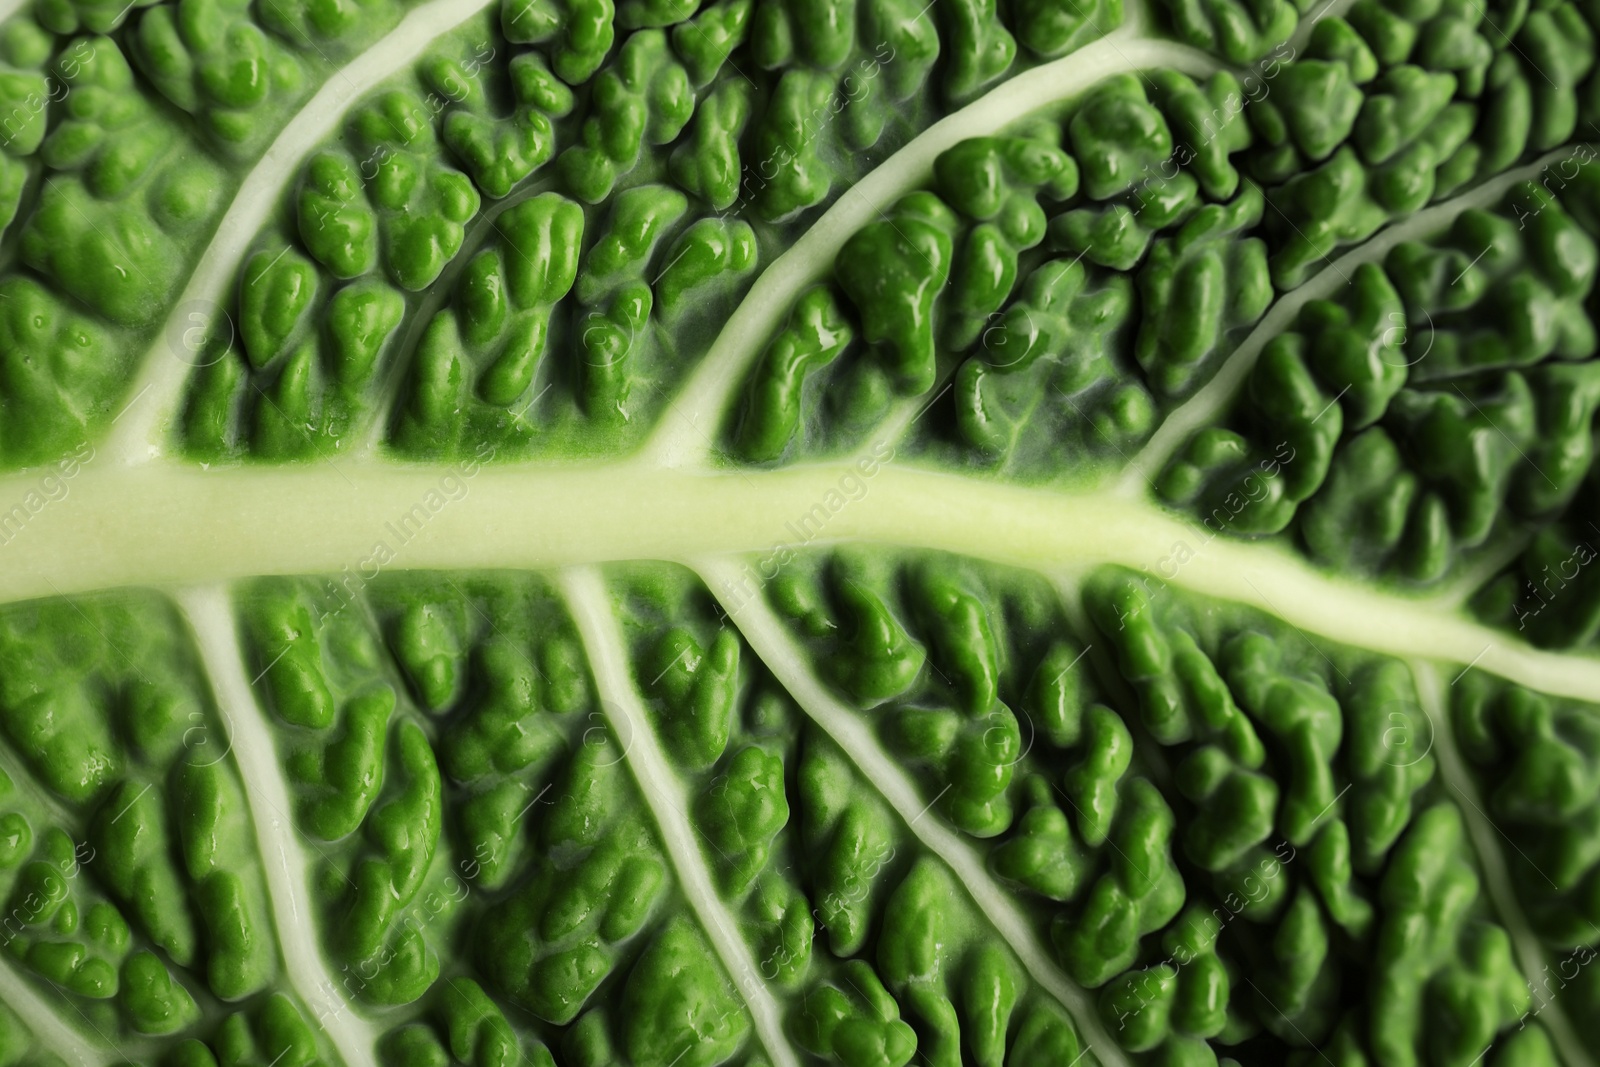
column 774, row 532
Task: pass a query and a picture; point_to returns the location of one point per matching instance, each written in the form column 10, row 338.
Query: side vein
column 43, row 1021
column 778, row 651
column 1206, row 405
column 162, row 372
column 705, row 397
column 585, row 594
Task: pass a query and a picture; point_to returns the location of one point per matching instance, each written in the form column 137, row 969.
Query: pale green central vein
column 167, row 525
column 776, row 649
column 663, row 792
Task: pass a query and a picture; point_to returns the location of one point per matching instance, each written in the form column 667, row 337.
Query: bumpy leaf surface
column 1009, row 533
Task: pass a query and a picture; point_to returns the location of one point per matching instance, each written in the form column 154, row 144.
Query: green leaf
column 787, row 532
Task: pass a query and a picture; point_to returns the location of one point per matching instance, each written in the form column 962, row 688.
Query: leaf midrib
column 275, row 521
column 166, row 525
